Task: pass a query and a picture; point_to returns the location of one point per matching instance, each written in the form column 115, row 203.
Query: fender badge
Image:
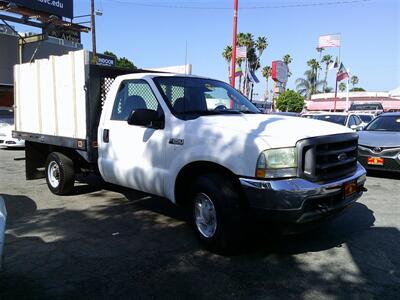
column 176, row 141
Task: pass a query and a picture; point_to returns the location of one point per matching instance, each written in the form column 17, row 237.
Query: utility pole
column 93, row 27
column 233, row 69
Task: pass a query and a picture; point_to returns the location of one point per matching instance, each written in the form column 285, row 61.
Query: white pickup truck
column 193, row 140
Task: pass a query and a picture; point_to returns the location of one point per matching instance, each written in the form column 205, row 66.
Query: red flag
column 342, row 73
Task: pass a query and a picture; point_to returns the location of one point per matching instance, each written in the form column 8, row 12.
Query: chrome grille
column 328, row 157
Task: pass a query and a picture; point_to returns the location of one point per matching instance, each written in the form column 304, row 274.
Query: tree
column 342, row 87
column 227, row 55
column 308, row 86
column 290, row 101
column 287, row 60
column 327, row 60
column 354, row 80
column 122, row 62
column 255, row 48
column 357, row 89
column 266, row 73
column 319, row 50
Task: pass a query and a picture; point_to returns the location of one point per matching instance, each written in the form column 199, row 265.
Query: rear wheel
column 218, row 214
column 60, row 174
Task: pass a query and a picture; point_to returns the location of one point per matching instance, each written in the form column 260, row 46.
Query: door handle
column 106, row 135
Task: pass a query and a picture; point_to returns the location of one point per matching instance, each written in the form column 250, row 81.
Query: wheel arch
column 194, row 169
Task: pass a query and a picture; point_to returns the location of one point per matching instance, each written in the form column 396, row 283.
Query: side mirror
column 146, row 118
column 357, row 127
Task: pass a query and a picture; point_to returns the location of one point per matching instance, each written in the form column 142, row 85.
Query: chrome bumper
column 300, row 200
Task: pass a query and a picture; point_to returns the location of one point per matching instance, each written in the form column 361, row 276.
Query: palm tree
column 319, row 50
column 354, row 80
column 314, row 67
column 227, row 55
column 308, row 86
column 266, row 73
column 287, row 60
column 342, row 86
column 327, row 60
column 261, row 44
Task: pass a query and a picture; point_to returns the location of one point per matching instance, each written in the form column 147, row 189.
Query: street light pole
column 93, row 27
column 233, row 69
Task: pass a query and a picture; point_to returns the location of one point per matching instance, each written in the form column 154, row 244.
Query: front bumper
column 297, row 200
column 391, row 157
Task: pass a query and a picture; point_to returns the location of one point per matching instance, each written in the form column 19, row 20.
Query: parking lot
column 107, row 242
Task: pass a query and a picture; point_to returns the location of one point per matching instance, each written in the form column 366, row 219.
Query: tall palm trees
column 227, row 55
column 266, row 73
column 287, row 60
column 327, row 60
column 309, row 85
column 354, row 80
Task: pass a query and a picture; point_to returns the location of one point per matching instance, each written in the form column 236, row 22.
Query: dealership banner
column 62, row 8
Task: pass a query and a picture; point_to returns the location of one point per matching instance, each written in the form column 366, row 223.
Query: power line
column 292, row 5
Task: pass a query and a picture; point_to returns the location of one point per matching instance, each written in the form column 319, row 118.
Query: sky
column 154, row 33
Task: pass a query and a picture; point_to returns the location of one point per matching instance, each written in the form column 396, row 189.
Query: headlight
column 275, row 163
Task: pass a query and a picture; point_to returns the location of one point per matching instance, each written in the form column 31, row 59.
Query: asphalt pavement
column 105, row 242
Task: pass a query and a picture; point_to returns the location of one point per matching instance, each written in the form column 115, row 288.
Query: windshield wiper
column 249, row 112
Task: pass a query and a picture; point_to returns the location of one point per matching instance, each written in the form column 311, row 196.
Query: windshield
column 197, row 96
column 366, row 106
column 6, row 117
column 384, row 123
column 366, row 118
column 338, row 119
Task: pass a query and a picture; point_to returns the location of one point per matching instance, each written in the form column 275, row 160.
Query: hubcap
column 205, row 215
column 53, row 173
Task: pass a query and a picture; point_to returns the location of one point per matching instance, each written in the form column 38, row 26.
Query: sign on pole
column 329, row 41
column 241, row 52
column 279, row 71
column 62, row 8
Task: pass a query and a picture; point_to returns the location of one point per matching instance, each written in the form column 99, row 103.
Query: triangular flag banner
column 342, row 73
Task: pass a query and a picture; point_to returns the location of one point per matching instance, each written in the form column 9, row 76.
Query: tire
column 218, row 194
column 60, row 174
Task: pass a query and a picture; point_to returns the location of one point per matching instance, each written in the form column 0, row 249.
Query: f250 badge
column 176, row 141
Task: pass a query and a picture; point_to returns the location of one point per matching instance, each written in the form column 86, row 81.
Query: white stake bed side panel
column 50, row 96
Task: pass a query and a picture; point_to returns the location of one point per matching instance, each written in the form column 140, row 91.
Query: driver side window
column 133, row 95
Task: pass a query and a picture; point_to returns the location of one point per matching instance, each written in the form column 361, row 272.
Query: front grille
column 328, row 157
column 378, row 151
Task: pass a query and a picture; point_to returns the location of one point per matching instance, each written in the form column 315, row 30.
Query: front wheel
column 218, row 213
column 60, row 174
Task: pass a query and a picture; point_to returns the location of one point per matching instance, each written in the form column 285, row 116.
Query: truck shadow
column 127, row 245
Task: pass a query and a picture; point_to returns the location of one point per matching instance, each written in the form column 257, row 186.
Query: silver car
column 379, row 143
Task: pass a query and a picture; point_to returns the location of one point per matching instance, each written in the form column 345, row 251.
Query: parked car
column 6, row 128
column 349, row 120
column 366, row 117
column 379, row 143
column 368, row 107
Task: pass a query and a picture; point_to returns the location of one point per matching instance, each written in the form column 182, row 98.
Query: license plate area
column 349, row 188
column 375, row 161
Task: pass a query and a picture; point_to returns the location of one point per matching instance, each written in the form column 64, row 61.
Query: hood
column 6, row 129
column 379, row 138
column 275, row 130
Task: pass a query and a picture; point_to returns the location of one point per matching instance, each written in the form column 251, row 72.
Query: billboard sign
column 279, row 71
column 64, row 33
column 62, row 8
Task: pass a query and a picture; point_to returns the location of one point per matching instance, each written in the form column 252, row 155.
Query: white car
column 350, row 120
column 6, row 128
